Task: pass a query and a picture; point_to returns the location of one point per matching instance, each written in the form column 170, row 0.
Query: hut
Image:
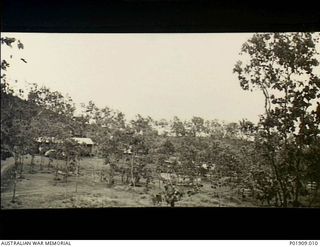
column 48, row 143
column 86, row 143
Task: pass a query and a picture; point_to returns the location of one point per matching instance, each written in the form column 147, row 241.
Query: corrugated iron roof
column 80, row 140
column 83, row 140
column 48, row 140
column 171, row 160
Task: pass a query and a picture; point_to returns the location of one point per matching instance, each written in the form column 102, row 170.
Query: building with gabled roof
column 45, row 143
column 86, row 143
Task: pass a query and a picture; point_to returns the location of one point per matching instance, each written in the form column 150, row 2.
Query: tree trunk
column 15, row 180
column 219, row 192
column 21, row 169
column 32, row 163
column 14, row 186
column 284, row 197
column 297, row 184
column 77, row 176
column 56, row 173
column 67, row 169
column 132, row 179
column 277, row 198
column 41, row 161
column 78, row 162
column 315, row 192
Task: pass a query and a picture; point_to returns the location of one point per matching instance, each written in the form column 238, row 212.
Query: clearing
column 39, row 189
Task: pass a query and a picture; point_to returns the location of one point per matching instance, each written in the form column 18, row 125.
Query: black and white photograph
column 101, row 120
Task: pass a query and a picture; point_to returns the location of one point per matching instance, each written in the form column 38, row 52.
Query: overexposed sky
column 160, row 75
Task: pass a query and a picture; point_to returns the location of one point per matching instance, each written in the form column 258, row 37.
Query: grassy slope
column 40, row 190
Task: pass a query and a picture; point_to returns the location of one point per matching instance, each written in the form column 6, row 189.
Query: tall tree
column 197, row 126
column 285, row 68
column 15, row 116
column 178, row 127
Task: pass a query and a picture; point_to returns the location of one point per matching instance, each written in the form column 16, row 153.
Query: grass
column 38, row 189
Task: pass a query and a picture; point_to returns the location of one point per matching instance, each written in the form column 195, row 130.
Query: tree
column 72, row 152
column 197, row 126
column 167, row 148
column 171, row 194
column 79, row 125
column 214, row 128
column 8, row 103
column 103, row 125
column 163, row 126
column 5, row 86
column 178, row 127
column 52, row 102
column 14, row 117
column 247, row 128
column 283, row 66
column 232, row 130
column 54, row 115
column 52, row 110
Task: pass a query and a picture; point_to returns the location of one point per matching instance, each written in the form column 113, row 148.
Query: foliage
column 283, row 66
column 275, row 159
